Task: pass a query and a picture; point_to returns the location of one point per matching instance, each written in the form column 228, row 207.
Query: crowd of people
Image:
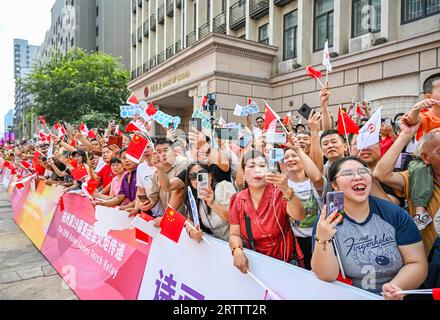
column 380, row 240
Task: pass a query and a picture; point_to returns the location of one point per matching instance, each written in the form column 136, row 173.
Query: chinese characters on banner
column 106, row 266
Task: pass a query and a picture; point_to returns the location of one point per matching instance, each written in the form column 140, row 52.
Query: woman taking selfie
column 260, row 213
column 379, row 245
column 212, row 203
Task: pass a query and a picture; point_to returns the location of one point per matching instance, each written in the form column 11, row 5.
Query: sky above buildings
column 22, row 19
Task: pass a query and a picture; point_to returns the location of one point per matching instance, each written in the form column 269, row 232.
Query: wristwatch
column 292, row 193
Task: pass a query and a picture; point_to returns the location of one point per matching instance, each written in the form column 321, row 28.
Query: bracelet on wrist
column 233, row 249
column 323, row 242
column 289, row 197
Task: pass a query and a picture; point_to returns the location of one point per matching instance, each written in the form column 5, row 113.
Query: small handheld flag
column 314, row 74
column 136, row 148
column 132, row 100
column 172, row 224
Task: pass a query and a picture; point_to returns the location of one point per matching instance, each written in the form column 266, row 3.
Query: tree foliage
column 77, row 86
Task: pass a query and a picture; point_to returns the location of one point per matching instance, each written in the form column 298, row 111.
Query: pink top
column 115, row 186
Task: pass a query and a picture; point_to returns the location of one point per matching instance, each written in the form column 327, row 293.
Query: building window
column 263, row 34
column 323, row 24
column 418, row 9
column 290, row 34
column 97, row 11
column 97, row 31
column 365, row 17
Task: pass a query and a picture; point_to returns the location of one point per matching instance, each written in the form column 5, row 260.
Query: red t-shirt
column 106, row 175
column 267, row 234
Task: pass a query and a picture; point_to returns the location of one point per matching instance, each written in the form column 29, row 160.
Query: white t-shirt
column 144, row 176
column 312, row 202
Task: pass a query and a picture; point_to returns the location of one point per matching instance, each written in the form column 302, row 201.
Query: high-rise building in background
column 381, row 50
column 9, row 120
column 24, row 59
column 92, row 25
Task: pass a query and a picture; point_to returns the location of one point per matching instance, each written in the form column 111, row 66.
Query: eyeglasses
column 351, row 174
column 193, row 175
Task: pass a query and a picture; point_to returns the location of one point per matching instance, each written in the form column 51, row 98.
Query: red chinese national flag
column 359, row 110
column 38, row 168
column 249, row 101
column 172, row 224
column 25, row 164
column 43, row 121
column 132, row 100
column 151, row 111
column 92, row 134
column 313, row 73
column 270, row 118
column 136, row 148
column 135, row 126
column 91, row 186
column 79, row 172
column 345, row 124
column 142, row 237
column 204, row 101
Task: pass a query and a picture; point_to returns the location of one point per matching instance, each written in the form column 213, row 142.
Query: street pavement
column 25, row 274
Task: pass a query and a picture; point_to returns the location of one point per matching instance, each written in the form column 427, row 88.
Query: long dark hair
column 194, row 192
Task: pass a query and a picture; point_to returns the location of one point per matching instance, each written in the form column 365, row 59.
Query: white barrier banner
column 197, row 271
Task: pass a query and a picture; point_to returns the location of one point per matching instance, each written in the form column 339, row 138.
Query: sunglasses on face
column 193, row 175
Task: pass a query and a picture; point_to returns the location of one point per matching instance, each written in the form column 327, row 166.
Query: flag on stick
column 359, row 110
column 43, row 121
column 326, row 60
column 314, row 74
column 369, row 134
column 132, row 100
column 172, row 224
column 136, row 148
column 270, row 118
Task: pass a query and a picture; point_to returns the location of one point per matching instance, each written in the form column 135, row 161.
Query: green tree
column 78, row 86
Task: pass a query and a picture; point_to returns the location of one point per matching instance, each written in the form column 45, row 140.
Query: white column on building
column 183, row 23
column 275, row 28
column 389, row 19
column 228, row 9
column 305, row 32
column 250, row 24
column 341, row 23
column 198, row 17
column 211, row 14
column 156, row 10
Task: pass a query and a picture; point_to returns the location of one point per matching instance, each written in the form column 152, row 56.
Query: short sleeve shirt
column 106, row 175
column 265, row 229
column 372, row 246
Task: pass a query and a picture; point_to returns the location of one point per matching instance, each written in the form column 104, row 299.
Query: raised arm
column 316, row 154
column 414, row 113
column 384, row 169
column 326, row 117
column 310, row 168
